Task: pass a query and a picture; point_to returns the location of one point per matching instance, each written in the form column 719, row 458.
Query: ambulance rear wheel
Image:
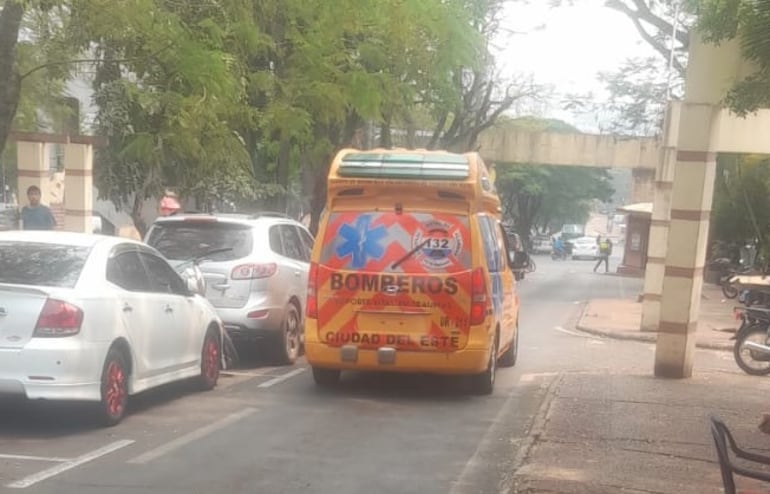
column 484, row 383
column 326, row 378
column 508, row 359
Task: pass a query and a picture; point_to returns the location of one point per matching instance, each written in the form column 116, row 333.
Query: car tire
column 211, row 361
column 288, row 341
column 508, row 359
column 326, row 378
column 484, row 383
column 114, row 388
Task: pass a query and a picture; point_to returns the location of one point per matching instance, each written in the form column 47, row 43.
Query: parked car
column 584, row 248
column 96, row 318
column 256, row 277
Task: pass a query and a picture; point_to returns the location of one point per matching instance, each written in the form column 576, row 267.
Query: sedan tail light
column 58, row 319
column 253, row 271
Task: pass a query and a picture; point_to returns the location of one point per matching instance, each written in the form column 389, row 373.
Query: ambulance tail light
column 311, row 306
column 478, row 297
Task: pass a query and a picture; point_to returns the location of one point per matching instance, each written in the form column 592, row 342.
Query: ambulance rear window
column 398, row 243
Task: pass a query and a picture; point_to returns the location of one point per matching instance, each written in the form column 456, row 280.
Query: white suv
column 256, row 270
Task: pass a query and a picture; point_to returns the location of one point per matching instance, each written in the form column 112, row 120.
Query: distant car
column 584, row 248
column 256, row 277
column 96, row 318
column 541, row 245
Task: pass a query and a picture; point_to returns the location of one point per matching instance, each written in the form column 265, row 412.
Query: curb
column 647, row 338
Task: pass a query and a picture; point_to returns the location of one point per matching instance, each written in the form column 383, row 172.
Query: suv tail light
column 478, row 297
column 312, row 292
column 58, row 319
column 253, row 271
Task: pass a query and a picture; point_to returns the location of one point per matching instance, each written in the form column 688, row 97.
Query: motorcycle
column 560, row 255
column 190, row 271
column 729, row 281
column 752, row 340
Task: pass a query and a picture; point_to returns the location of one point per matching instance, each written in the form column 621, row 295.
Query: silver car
column 255, row 267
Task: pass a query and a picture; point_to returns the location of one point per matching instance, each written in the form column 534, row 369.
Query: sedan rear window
column 182, row 241
column 38, row 264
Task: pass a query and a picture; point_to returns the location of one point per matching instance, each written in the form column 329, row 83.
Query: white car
column 96, row 318
column 585, row 248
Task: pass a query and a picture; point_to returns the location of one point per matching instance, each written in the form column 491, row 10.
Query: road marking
column 195, row 435
column 525, row 378
column 281, row 379
column 51, row 459
column 575, row 333
column 69, row 464
column 256, row 373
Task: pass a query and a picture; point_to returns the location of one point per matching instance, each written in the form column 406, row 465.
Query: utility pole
column 675, row 25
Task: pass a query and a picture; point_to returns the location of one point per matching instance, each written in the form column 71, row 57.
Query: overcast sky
column 566, row 47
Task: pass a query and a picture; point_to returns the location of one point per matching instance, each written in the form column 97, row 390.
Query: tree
column 166, row 93
column 33, row 66
column 10, row 80
column 639, row 90
column 741, row 207
column 720, row 20
column 544, row 196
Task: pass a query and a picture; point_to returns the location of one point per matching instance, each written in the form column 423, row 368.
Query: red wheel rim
column 211, row 360
column 116, row 389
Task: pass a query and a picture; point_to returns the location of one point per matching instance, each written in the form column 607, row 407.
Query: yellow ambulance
column 410, row 270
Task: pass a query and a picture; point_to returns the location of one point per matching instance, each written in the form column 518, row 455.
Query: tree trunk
column 352, row 135
column 386, row 139
column 283, row 171
column 10, row 82
column 136, row 214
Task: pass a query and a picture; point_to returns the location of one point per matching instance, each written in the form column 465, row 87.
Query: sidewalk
column 621, row 319
column 603, row 433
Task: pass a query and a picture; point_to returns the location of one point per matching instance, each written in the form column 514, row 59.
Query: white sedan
column 585, row 248
column 96, row 318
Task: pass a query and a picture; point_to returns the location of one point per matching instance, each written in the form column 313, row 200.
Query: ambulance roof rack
column 405, row 165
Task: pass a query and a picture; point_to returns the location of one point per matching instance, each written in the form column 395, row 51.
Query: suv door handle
column 127, row 308
column 297, row 273
column 168, row 308
column 222, row 286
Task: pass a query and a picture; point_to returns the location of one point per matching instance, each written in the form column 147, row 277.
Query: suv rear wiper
column 201, row 257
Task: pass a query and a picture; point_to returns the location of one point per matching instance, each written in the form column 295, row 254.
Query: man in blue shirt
column 36, row 216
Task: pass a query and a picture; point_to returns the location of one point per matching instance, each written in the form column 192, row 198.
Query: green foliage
column 750, row 20
column 230, row 99
column 741, row 207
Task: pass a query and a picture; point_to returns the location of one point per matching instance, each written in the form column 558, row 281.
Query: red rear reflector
column 478, row 297
column 58, row 319
column 257, row 314
column 253, row 271
column 311, row 309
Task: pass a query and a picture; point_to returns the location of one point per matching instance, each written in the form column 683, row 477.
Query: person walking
column 605, row 251
column 36, row 216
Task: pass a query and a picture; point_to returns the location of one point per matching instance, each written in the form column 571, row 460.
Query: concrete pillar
column 78, row 187
column 643, row 187
column 661, row 210
column 711, row 71
column 32, row 168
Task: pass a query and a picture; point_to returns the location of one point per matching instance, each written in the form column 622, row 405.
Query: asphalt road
column 270, row 430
